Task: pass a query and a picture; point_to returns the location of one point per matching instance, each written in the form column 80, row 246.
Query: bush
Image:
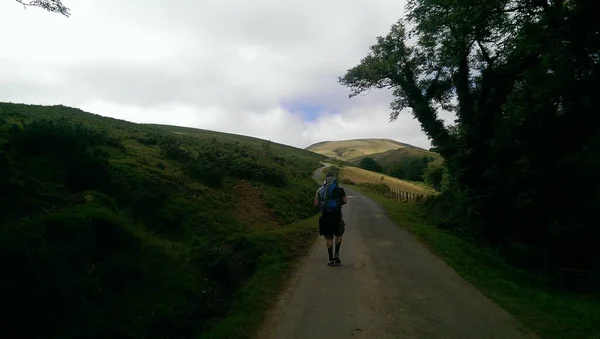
column 433, row 176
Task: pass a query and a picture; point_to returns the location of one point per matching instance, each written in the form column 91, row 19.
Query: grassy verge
column 548, row 312
column 288, row 245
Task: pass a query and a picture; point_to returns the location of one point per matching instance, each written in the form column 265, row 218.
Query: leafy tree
column 397, row 171
column 54, row 6
column 433, row 176
column 370, row 165
column 518, row 76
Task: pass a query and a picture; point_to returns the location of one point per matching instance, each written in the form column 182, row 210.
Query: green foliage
column 406, row 163
column 522, row 155
column 410, row 168
column 88, row 270
column 114, row 229
column 370, row 164
column 254, row 299
column 434, row 176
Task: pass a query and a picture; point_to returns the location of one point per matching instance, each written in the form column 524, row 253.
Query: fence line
column 405, row 196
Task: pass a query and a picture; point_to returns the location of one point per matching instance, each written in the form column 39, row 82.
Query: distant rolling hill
column 356, row 148
column 386, row 152
column 397, row 159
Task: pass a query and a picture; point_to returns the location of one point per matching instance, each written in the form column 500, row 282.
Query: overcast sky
column 264, row 68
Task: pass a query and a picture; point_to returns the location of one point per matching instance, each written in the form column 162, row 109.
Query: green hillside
column 394, row 157
column 115, row 229
column 280, row 149
column 397, row 159
column 405, row 163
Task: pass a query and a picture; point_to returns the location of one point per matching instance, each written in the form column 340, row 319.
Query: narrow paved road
column 389, row 286
column 318, row 174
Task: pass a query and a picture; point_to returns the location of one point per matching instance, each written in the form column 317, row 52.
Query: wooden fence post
column 405, row 196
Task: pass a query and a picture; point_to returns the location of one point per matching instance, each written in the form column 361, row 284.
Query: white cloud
column 226, row 65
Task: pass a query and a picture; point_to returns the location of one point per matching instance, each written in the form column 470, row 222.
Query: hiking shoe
column 337, row 260
column 331, row 263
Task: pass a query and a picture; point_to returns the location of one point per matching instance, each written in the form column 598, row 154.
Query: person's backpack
column 331, row 200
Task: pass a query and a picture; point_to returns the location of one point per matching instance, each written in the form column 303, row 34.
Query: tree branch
column 465, row 98
column 54, row 6
column 544, row 4
column 486, row 55
column 430, row 93
column 517, row 8
column 426, row 115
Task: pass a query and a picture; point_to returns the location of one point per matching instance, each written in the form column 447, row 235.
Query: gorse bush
column 112, row 229
column 53, row 152
column 212, row 159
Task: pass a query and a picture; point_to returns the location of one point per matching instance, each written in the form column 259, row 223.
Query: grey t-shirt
column 319, row 194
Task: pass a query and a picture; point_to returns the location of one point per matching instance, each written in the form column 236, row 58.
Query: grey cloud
column 231, row 65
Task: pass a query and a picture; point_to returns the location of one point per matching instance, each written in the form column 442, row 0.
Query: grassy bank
column 549, row 312
column 115, row 229
column 257, row 296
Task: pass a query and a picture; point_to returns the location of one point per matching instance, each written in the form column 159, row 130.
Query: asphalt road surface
column 388, row 286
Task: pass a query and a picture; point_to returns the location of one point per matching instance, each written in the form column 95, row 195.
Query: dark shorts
column 331, row 224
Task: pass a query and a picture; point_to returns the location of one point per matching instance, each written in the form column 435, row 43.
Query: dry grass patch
column 360, row 176
column 252, row 210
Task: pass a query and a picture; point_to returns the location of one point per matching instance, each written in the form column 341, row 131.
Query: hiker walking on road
column 330, row 197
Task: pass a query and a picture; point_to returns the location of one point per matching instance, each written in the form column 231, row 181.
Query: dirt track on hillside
column 389, row 286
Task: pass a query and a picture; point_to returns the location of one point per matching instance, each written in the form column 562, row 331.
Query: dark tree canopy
column 54, row 6
column 410, row 168
column 518, row 74
column 370, row 165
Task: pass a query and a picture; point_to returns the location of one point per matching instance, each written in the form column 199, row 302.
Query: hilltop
column 112, row 229
column 355, row 148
